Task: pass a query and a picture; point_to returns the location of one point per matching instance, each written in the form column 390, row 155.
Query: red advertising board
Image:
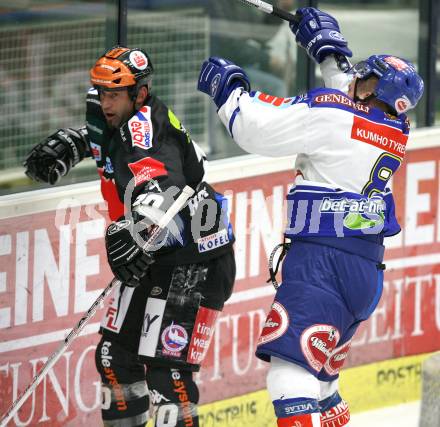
column 52, row 267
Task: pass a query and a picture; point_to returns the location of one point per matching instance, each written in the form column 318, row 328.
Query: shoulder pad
column 92, row 91
column 93, row 102
column 273, row 101
column 92, row 96
column 175, row 122
column 95, row 120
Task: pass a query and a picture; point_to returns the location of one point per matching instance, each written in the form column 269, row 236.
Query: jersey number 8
column 384, row 168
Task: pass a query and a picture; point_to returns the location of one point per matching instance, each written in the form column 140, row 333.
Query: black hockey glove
column 54, row 157
column 127, row 260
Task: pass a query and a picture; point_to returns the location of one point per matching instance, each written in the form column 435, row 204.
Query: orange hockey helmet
column 120, row 68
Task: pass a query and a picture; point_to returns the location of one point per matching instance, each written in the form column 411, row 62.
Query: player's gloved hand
column 126, row 259
column 55, row 156
column 319, row 34
column 219, row 77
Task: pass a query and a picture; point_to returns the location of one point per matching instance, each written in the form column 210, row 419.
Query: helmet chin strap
column 133, row 92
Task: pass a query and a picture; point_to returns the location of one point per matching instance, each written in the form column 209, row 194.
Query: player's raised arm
column 259, row 123
column 319, row 34
column 269, row 125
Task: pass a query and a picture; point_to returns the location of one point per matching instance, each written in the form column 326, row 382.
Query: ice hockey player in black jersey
column 169, row 299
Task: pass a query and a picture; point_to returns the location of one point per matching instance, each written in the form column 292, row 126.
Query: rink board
column 52, row 267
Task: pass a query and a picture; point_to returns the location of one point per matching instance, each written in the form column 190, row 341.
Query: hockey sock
column 174, row 396
column 125, row 398
column 334, row 411
column 300, row 411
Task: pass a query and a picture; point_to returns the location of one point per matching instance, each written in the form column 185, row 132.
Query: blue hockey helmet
column 399, row 85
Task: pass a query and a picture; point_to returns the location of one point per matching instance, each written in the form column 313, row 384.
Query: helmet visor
column 361, row 70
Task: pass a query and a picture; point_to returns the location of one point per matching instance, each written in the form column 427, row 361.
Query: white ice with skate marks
column 404, row 415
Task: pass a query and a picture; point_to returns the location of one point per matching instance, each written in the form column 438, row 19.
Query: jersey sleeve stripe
column 232, row 120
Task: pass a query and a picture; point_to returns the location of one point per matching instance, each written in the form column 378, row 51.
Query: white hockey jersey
column 346, row 155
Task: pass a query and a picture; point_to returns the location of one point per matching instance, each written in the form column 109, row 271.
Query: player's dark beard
column 124, row 119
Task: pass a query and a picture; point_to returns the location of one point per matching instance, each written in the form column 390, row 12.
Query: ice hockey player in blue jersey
column 349, row 138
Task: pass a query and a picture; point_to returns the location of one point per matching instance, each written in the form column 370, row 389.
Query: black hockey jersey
column 153, row 154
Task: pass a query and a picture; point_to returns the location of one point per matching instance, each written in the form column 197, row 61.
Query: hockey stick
column 342, row 62
column 187, row 192
column 272, row 10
